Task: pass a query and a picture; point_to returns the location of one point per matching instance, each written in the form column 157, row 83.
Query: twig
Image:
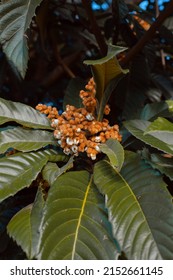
column 58, row 71
column 149, row 34
column 95, row 28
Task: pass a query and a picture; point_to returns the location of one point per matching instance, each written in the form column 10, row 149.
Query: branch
column 149, row 34
column 53, row 76
column 95, row 28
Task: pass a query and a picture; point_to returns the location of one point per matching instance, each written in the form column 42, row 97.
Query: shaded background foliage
column 61, row 36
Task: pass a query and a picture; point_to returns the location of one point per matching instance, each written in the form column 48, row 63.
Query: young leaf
column 25, row 140
column 15, row 18
column 134, row 217
column 24, row 226
column 104, row 70
column 138, row 128
column 115, row 152
column 74, row 222
column 51, row 171
column 19, row 170
column 23, row 114
column 161, row 129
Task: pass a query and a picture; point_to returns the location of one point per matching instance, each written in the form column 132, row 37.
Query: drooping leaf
column 23, row 114
column 159, row 162
column 115, row 152
column 75, row 223
column 134, row 217
column 104, row 70
column 19, row 170
column 25, row 140
column 51, row 171
column 138, row 128
column 161, row 129
column 15, row 18
column 24, row 226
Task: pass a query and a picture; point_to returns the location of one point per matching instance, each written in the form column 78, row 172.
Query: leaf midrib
column 137, row 202
column 80, row 219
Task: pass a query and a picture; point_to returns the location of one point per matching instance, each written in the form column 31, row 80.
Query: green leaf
column 19, row 229
column 51, row 171
column 155, row 202
column 138, row 128
column 25, row 140
column 115, row 152
column 23, row 114
column 161, row 129
column 72, row 93
column 157, row 109
column 75, row 222
column 107, row 93
column 24, row 226
column 138, row 224
column 170, row 105
column 104, row 70
column 19, row 170
column 15, row 18
column 159, row 162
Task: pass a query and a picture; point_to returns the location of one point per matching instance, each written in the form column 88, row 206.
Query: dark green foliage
column 57, row 206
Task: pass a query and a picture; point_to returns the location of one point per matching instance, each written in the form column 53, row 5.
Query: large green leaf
column 24, row 226
column 75, row 224
column 154, row 199
column 15, row 18
column 115, row 152
column 106, row 72
column 23, row 114
column 138, row 128
column 25, row 140
column 51, row 171
column 19, row 170
column 138, row 205
column 161, row 129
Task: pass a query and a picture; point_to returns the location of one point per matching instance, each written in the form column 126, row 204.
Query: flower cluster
column 77, row 129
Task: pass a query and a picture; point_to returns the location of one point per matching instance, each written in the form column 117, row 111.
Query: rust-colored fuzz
column 77, row 129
